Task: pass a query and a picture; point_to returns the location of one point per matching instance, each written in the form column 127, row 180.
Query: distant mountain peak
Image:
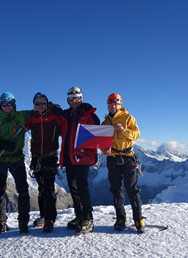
column 169, row 152
column 163, row 149
column 163, row 152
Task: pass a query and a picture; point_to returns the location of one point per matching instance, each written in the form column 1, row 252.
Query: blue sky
column 132, row 47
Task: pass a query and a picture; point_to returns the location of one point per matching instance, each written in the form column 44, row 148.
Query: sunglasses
column 7, row 104
column 40, row 103
column 74, row 98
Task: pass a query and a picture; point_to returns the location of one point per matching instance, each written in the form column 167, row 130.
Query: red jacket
column 45, row 131
column 86, row 115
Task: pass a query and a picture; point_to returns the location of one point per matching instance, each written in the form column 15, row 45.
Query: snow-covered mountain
column 162, row 153
column 164, row 171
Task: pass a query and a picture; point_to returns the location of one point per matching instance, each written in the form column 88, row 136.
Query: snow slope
column 104, row 241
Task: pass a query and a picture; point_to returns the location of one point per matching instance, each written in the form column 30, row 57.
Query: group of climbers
column 47, row 122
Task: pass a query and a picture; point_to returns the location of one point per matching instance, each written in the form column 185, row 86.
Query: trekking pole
column 15, row 136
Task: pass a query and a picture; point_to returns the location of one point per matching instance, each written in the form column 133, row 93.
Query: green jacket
column 9, row 125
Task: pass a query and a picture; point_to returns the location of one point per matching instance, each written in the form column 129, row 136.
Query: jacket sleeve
column 62, row 123
column 24, row 115
column 131, row 130
column 27, row 123
column 55, row 109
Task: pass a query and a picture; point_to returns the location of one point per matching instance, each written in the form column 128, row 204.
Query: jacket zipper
column 54, row 133
column 42, row 137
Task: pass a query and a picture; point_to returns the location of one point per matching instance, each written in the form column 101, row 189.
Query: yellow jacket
column 124, row 139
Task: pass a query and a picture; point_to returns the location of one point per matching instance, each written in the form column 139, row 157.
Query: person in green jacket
column 12, row 136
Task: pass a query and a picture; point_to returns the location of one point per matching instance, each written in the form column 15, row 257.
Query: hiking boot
column 140, row 226
column 23, row 227
column 48, row 226
column 3, row 227
column 39, row 222
column 85, row 227
column 73, row 224
column 120, row 224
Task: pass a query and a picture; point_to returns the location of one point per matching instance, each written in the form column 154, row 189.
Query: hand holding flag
column 80, row 153
column 107, row 151
column 81, row 156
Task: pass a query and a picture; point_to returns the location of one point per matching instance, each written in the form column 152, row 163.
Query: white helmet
column 74, row 92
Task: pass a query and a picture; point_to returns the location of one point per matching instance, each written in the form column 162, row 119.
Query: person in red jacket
column 45, row 129
column 77, row 161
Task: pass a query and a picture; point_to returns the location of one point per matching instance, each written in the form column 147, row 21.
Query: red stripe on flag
column 100, row 142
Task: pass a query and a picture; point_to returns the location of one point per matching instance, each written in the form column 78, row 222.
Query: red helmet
column 114, row 98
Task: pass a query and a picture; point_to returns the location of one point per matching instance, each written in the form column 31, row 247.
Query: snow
column 104, row 241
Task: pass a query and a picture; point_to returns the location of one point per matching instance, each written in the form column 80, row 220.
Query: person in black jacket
column 45, row 129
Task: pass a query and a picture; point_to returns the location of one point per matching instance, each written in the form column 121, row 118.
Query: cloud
column 173, row 145
column 150, row 143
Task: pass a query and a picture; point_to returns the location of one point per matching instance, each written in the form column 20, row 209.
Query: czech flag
column 94, row 136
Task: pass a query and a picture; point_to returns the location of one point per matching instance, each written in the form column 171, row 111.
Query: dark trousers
column 19, row 174
column 46, row 187
column 77, row 180
column 46, row 196
column 124, row 172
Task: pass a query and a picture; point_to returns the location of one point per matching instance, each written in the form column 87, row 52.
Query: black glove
column 7, row 145
column 33, row 164
column 55, row 108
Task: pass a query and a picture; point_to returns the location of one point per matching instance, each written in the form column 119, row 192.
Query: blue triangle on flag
column 83, row 136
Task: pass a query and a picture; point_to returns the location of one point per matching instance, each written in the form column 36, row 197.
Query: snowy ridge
column 161, row 154
column 166, row 172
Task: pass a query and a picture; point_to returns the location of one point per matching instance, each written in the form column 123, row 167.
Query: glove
column 7, row 145
column 51, row 105
column 33, row 164
column 55, row 108
column 85, row 160
column 79, row 153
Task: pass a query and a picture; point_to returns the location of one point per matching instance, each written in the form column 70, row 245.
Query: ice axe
column 15, row 136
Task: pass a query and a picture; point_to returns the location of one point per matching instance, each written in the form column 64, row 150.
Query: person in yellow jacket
column 122, row 161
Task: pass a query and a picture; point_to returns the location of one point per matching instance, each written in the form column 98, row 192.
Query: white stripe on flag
column 100, row 130
column 77, row 131
column 95, row 130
